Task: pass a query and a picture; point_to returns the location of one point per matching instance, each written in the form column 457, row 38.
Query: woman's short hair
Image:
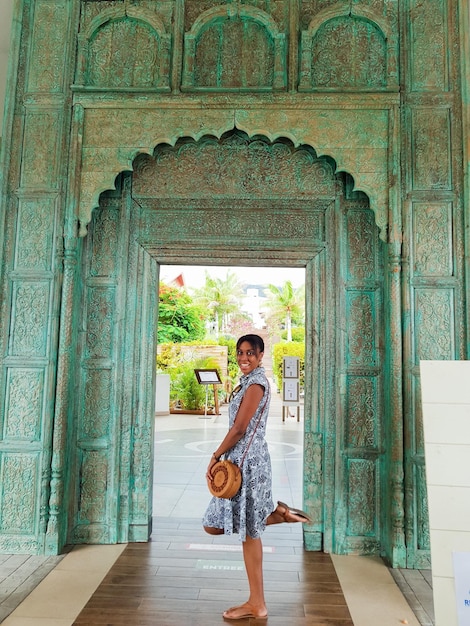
column 255, row 341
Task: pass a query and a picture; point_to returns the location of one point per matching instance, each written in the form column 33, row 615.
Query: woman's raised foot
column 292, row 515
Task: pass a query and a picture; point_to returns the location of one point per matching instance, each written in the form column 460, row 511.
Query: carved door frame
column 322, row 404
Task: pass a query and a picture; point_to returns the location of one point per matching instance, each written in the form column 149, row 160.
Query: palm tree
column 221, row 298
column 285, row 305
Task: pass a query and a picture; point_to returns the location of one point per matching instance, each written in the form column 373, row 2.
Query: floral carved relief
column 39, row 162
column 24, row 404
column 100, row 322
column 124, row 53
column 361, row 497
column 96, row 416
column 346, row 52
column 432, row 239
column 429, row 45
column 431, row 147
column 235, row 46
column 47, row 48
column 34, row 239
column 313, row 471
column 93, row 483
column 361, row 329
column 234, row 54
column 18, row 504
column 361, row 413
column 29, row 335
column 206, row 168
column 434, row 324
column 105, row 242
column 362, row 238
column 169, row 225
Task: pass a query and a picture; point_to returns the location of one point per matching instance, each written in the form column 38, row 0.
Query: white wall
column 445, row 389
column 6, row 12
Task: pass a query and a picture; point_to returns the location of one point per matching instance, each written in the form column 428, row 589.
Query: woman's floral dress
column 246, row 512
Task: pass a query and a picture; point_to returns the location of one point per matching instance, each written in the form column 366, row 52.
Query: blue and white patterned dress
column 246, row 513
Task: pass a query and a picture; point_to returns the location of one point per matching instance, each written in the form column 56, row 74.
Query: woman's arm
column 246, row 411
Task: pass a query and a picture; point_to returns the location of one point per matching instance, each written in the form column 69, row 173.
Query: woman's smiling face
column 248, row 357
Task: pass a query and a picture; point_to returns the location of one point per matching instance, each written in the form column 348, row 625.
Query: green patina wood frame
column 402, row 139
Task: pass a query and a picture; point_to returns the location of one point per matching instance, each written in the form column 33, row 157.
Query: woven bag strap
column 254, row 432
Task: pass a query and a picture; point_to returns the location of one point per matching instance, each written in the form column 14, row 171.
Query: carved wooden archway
column 243, row 201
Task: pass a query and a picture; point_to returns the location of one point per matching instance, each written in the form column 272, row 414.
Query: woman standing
column 252, row 508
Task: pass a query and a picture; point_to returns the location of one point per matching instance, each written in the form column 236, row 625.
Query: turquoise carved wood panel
column 276, row 189
column 94, row 87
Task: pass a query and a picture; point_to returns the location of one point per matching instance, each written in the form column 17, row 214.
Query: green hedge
column 287, row 348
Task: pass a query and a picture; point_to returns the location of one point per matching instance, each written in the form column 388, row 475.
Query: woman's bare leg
column 255, row 605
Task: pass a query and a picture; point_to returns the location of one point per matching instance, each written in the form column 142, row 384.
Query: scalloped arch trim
column 92, row 189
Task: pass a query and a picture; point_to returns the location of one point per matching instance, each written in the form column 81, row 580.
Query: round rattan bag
column 226, row 479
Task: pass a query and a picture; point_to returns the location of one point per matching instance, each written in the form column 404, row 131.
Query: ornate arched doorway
column 240, row 201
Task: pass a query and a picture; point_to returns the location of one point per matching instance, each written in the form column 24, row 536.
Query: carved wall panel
column 421, row 494
column 362, row 498
column 361, row 412
column 47, row 47
column 362, row 303
column 341, row 133
column 348, row 46
column 124, row 48
column 24, row 404
column 396, row 125
column 432, row 244
column 34, row 237
column 433, row 223
column 105, row 242
column 101, row 306
column 229, row 42
column 434, row 310
column 430, row 43
column 349, row 52
column 234, row 47
column 39, row 161
column 31, row 308
column 121, row 55
column 361, row 233
column 431, row 149
column 93, row 484
column 224, row 226
column 35, row 183
column 98, row 403
column 18, row 506
column 362, row 341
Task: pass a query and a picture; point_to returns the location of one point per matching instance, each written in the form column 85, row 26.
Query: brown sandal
column 305, row 518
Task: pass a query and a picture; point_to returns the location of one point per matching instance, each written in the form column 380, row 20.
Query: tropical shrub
column 185, row 390
column 298, row 334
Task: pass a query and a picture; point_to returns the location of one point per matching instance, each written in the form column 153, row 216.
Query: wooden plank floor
column 184, row 577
